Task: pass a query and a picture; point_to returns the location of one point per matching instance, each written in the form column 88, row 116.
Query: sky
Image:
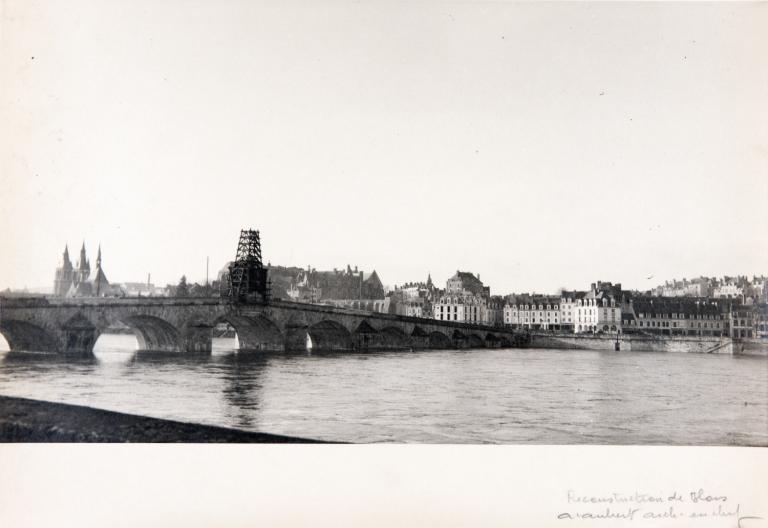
column 538, row 145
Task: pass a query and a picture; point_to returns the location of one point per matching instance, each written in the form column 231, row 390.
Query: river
column 513, row 396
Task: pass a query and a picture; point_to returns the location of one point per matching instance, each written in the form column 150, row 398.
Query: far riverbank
column 643, row 343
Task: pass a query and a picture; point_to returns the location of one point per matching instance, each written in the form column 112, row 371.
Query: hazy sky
column 537, row 145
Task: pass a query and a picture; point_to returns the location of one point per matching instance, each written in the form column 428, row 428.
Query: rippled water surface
column 534, row 396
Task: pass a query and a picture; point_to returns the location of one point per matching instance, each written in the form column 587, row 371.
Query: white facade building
column 465, row 300
column 461, row 307
column 728, row 290
column 685, row 288
column 567, row 304
column 536, row 313
column 597, row 313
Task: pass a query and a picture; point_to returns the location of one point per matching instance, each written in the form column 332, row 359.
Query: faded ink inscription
column 685, row 506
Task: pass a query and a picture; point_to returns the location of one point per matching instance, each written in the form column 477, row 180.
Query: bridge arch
column 255, row 332
column 325, row 335
column 23, row 336
column 366, row 337
column 393, row 337
column 154, row 333
column 330, row 335
column 439, row 340
column 107, row 340
column 459, row 339
column 475, row 341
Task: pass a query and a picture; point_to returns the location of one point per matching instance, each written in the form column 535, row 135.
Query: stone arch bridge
column 72, row 326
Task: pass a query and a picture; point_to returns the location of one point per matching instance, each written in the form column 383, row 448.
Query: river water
column 533, row 396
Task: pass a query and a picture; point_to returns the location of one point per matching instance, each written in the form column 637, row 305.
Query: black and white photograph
column 422, row 224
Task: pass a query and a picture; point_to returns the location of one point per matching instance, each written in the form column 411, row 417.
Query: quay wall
column 702, row 345
column 751, row 347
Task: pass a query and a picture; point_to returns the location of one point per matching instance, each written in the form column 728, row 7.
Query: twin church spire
column 79, row 281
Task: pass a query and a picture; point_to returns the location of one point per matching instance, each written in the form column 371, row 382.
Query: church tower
column 83, row 270
column 64, row 275
column 99, row 282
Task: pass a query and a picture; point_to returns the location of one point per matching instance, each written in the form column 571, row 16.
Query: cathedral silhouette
column 80, row 281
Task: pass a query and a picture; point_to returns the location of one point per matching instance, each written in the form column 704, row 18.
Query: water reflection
column 242, row 387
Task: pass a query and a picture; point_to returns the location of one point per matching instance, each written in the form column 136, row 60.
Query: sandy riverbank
column 24, row 420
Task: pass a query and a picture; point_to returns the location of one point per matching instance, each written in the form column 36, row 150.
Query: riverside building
column 465, row 300
column 533, row 313
column 676, row 317
column 413, row 299
column 599, row 310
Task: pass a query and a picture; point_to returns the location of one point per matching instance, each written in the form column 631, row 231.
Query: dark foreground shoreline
column 24, row 420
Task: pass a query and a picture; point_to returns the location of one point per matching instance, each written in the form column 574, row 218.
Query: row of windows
column 534, row 320
column 532, row 307
column 665, row 324
column 593, row 303
column 646, row 315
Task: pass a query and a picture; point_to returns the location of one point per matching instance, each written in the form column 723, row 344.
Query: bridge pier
column 197, row 339
column 419, row 339
column 79, row 341
column 296, row 338
column 367, row 338
column 78, row 336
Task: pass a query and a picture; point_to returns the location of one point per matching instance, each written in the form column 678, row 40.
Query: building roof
column 97, row 276
column 661, row 305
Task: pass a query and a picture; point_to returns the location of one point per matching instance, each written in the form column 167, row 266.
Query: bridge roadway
column 72, row 326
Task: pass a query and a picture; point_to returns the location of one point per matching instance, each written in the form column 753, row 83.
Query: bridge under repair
column 72, row 326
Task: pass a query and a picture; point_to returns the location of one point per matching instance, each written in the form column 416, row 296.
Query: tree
column 182, row 290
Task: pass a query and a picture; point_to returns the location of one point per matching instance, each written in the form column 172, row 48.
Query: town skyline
column 212, row 272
